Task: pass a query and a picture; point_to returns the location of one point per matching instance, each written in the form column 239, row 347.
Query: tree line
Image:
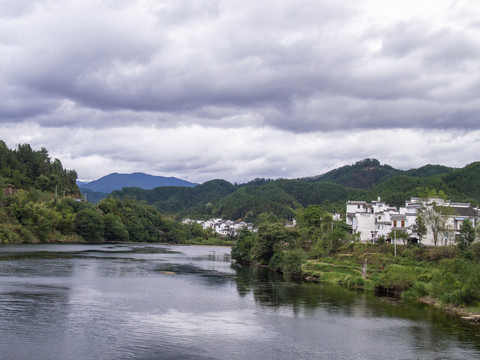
column 40, row 202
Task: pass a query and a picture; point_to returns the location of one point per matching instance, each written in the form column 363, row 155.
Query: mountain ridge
column 368, row 173
column 116, row 181
column 282, row 197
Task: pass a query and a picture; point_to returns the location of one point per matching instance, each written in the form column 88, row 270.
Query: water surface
column 176, row 302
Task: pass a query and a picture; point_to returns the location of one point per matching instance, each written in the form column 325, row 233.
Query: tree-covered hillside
column 24, row 168
column 39, row 202
column 282, row 197
column 368, row 173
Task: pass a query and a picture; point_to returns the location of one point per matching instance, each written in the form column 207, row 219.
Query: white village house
column 375, row 219
column 222, row 226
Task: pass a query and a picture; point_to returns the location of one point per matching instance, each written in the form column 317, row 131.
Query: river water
column 188, row 302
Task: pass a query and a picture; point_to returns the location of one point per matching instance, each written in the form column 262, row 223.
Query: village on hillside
column 442, row 220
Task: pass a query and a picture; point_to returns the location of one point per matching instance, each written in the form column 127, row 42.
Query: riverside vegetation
column 321, row 249
column 40, row 202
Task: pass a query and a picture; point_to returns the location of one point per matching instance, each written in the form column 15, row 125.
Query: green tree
column 89, row 224
column 269, row 236
column 399, row 234
column 242, row 250
column 467, row 234
column 435, row 222
column 420, row 227
column 115, row 230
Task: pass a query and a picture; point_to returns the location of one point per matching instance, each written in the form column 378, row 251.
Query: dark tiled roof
column 457, row 211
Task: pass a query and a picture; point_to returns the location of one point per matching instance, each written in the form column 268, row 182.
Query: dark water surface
column 173, row 302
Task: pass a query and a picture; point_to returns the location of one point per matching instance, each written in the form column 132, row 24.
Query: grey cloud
column 298, row 67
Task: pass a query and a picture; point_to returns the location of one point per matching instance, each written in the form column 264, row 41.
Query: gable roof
column 457, row 211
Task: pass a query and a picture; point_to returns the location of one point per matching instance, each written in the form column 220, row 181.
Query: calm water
column 172, row 302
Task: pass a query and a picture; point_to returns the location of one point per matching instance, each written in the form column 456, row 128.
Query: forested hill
column 282, row 197
column 24, row 168
column 115, row 181
column 39, row 202
column 368, row 173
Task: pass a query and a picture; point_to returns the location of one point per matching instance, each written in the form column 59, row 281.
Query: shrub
column 456, row 297
column 353, row 281
column 292, row 262
column 476, row 251
column 26, row 235
column 456, row 282
column 417, row 290
column 396, row 278
column 436, row 254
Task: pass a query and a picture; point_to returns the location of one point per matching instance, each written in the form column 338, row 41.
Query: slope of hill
column 363, row 174
column 282, row 197
column 177, row 199
column 465, row 181
column 115, row 181
column 25, row 168
column 368, row 173
column 429, row 170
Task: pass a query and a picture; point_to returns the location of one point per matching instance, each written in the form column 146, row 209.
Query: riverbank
column 439, row 277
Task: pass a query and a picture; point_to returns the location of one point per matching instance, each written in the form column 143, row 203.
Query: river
column 189, row 302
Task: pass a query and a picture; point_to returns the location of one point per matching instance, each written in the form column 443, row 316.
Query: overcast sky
column 204, row 89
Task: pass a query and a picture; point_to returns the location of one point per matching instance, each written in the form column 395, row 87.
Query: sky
column 237, row 90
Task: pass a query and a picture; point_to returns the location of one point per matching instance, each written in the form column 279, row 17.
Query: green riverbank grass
column 442, row 276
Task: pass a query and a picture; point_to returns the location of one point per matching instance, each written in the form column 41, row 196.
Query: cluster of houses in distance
column 373, row 220
column 222, row 226
column 377, row 219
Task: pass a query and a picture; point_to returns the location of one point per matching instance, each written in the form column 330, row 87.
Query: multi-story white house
column 370, row 220
column 376, row 219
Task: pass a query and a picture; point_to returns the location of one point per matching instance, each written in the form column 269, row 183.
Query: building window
column 394, row 223
column 403, row 223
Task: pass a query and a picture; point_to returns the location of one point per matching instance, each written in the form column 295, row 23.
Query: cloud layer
column 223, row 88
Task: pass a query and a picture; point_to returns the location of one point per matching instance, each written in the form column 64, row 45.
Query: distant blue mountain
column 116, row 181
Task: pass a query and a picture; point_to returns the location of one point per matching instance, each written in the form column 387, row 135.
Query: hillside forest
column 40, row 202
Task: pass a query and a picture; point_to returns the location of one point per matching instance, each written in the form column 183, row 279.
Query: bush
column 456, row 297
column 27, row 235
column 242, row 251
column 417, row 290
column 396, row 278
column 476, row 251
column 353, row 281
column 89, row 224
column 456, row 282
column 436, row 254
column 292, row 262
column 276, row 262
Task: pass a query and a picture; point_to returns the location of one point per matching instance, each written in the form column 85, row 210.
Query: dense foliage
column 39, row 202
column 115, row 181
column 283, row 197
column 368, row 173
column 24, row 168
column 320, row 248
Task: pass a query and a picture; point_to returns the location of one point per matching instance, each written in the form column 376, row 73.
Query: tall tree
column 420, row 227
column 435, row 222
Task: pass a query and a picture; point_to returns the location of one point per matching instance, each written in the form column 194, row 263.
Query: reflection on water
column 174, row 302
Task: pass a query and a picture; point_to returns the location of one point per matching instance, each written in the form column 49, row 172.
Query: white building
column 375, row 219
column 222, row 226
column 370, row 220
